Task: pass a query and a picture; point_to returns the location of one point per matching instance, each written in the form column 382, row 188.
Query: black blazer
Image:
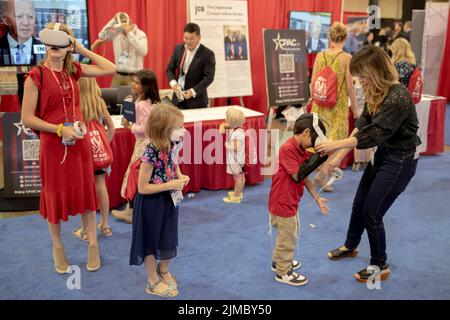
column 199, row 76
column 5, row 54
column 320, row 45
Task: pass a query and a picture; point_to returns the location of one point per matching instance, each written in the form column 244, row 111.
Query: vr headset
column 55, row 37
column 119, row 22
column 317, row 136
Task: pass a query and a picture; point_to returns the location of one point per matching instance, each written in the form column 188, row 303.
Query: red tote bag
column 101, row 150
column 132, row 182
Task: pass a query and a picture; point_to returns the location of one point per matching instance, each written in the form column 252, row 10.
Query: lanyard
column 63, row 98
column 182, row 60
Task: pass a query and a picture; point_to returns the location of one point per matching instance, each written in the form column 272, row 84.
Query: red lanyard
column 182, row 60
column 63, row 98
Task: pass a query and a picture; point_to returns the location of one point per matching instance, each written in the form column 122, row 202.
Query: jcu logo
column 199, row 9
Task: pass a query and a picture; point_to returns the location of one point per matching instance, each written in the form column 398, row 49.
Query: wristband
column 59, row 130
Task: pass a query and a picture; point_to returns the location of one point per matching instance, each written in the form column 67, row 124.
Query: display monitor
column 317, row 28
column 22, row 20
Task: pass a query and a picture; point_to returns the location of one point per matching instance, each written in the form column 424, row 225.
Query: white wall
column 356, row 5
column 391, row 9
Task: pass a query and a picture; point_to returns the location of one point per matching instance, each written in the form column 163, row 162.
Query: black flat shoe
column 371, row 272
column 337, row 254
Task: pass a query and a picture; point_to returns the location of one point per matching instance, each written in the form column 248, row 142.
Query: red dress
column 68, row 188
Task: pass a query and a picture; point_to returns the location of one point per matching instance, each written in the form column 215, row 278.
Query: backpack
column 325, row 91
column 102, row 154
column 415, row 85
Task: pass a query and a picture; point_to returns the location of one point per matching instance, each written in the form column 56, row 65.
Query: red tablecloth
column 436, row 127
column 122, row 146
column 203, row 176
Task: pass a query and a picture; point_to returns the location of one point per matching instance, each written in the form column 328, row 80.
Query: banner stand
column 20, row 149
column 17, row 204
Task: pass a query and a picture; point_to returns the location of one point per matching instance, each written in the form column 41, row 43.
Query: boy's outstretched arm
column 321, row 202
column 307, row 167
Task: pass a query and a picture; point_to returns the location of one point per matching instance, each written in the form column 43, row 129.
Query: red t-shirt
column 285, row 193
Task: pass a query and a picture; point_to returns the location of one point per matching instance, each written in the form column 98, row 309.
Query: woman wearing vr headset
column 388, row 122
column 51, row 106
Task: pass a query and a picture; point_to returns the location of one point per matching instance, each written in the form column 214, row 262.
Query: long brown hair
column 149, row 84
column 374, row 63
column 92, row 106
column 160, row 124
column 69, row 64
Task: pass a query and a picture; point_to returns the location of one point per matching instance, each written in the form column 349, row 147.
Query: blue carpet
column 225, row 251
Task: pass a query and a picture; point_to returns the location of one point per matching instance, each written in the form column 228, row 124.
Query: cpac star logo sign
column 281, row 43
column 21, row 128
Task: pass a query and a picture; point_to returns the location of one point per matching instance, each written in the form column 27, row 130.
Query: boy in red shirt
column 295, row 164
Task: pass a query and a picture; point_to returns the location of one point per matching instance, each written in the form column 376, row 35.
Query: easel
column 270, row 118
column 16, row 204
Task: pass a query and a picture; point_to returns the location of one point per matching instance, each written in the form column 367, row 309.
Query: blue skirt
column 155, row 227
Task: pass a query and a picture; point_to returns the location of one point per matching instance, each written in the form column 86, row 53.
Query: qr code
column 30, row 150
column 286, row 63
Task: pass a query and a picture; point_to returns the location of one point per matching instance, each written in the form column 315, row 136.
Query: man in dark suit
column 18, row 46
column 191, row 70
column 314, row 43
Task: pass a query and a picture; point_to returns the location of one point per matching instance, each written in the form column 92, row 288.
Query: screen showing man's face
column 317, row 27
column 24, row 20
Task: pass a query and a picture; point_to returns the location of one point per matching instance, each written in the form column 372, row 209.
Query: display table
column 203, row 174
column 431, row 115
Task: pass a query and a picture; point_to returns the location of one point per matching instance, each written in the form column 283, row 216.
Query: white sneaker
column 295, row 265
column 292, row 278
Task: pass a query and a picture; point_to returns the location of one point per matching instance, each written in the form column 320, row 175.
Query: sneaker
column 373, row 271
column 231, row 200
column 292, row 278
column 231, row 194
column 295, row 265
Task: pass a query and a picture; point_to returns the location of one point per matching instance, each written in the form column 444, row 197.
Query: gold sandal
column 107, row 231
column 171, row 283
column 60, row 261
column 161, row 289
column 80, row 234
column 93, row 259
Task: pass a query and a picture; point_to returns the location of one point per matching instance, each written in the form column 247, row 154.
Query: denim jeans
column 380, row 185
